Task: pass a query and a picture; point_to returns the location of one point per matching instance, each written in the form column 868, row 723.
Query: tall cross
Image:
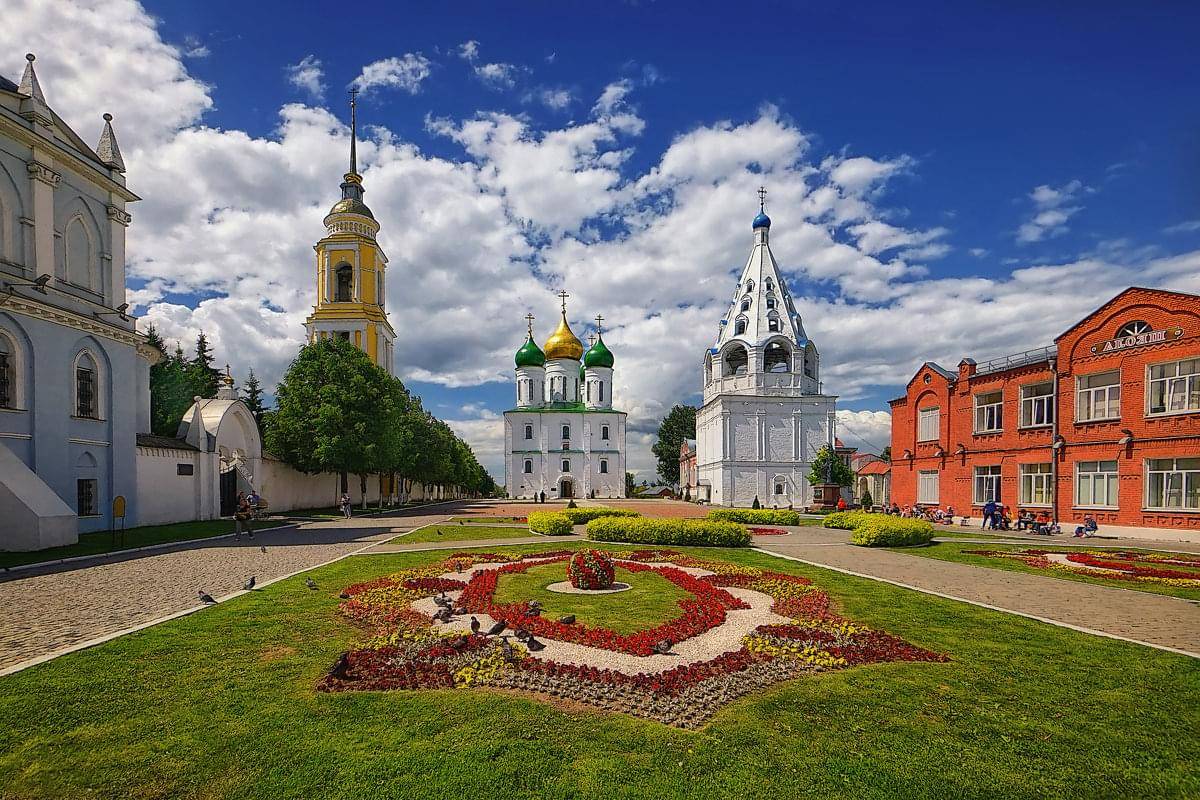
column 353, row 131
column 599, row 328
column 762, row 198
column 563, row 295
column 529, row 318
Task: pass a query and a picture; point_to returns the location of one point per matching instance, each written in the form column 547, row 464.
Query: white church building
column 564, row 439
column 764, row 416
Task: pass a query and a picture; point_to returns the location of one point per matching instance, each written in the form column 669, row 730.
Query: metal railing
column 1017, row 360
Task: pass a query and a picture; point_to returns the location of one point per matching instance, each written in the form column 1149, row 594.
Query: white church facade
column 764, row 415
column 564, row 439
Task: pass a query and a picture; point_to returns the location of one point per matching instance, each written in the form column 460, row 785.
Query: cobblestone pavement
column 1142, row 616
column 52, row 609
column 400, row 546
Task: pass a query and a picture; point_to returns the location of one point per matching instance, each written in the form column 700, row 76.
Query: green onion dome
column 530, row 355
column 598, row 355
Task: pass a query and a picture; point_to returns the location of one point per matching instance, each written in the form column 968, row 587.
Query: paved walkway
column 57, row 608
column 400, row 546
column 1154, row 619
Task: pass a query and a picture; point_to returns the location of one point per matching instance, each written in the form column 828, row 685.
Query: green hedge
column 756, row 516
column 550, row 523
column 881, row 530
column 579, row 516
column 700, row 532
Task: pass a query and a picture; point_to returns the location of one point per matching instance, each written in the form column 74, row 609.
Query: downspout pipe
column 1054, row 446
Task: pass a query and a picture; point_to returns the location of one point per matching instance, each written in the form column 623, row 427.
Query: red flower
column 590, row 569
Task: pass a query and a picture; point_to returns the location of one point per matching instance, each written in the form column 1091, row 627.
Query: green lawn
column 220, row 704
column 650, row 600
column 462, row 533
column 91, row 544
column 954, row 551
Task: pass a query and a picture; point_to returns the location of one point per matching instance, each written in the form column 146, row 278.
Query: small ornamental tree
column 590, row 569
column 827, row 468
column 866, row 500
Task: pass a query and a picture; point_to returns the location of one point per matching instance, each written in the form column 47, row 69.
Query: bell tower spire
column 353, row 132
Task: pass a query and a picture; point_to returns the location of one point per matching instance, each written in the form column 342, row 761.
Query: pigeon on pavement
column 474, row 625
column 496, row 629
column 263, row 548
column 521, row 634
column 205, row 597
column 248, row 585
column 663, row 647
column 534, row 645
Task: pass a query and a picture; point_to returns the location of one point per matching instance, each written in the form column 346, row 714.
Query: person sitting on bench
column 1088, row 528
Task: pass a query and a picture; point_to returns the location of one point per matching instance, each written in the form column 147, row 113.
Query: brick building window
column 989, row 412
column 929, row 424
column 1173, row 483
column 987, row 485
column 86, row 504
column 1096, row 484
column 927, row 487
column 1175, row 387
column 1098, row 396
column 1036, row 484
column 1037, row 405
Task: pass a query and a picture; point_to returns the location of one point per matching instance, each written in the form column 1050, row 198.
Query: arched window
column 566, row 431
column 379, row 286
column 770, row 301
column 11, row 231
column 737, row 361
column 600, row 390
column 1133, row 329
column 604, row 432
column 604, row 466
column 528, row 431
column 87, row 391
column 745, row 304
column 739, row 326
column 777, row 358
column 566, row 465
column 780, row 488
column 87, row 487
column 79, row 255
column 749, row 286
column 528, row 466
column 810, row 361
column 773, row 324
column 8, row 372
column 344, row 274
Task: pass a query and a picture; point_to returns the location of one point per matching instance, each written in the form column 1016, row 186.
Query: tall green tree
column 828, row 468
column 886, row 454
column 678, row 425
column 333, row 409
column 204, row 375
column 171, row 391
column 629, row 484
column 254, row 400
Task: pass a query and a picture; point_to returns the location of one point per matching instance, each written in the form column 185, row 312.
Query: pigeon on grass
column 206, row 598
column 310, row 583
column 569, row 619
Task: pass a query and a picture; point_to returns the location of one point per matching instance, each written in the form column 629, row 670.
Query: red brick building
column 1106, row 421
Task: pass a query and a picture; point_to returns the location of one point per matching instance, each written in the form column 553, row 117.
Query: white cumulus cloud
column 406, row 73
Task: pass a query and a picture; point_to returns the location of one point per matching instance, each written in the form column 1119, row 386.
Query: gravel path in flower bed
column 702, row 647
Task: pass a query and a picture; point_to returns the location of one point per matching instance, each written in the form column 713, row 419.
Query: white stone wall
column 165, row 496
column 587, row 450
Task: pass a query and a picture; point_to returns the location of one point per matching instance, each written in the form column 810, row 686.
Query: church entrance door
column 566, row 489
column 228, row 493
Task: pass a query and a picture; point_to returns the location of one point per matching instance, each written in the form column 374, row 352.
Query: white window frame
column 604, row 433
column 924, row 415
column 1186, row 478
column 528, row 466
column 1032, row 404
column 528, row 432
column 1185, row 386
column 925, row 480
column 1035, row 480
column 1107, row 394
column 1094, row 474
column 604, row 466
column 566, row 465
column 989, row 416
column 98, row 385
column 985, row 484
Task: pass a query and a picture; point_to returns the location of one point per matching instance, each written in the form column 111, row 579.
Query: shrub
column 579, row 516
column 756, row 504
column 756, row 516
column 702, row 532
column 846, row 520
column 571, row 503
column 550, row 523
column 590, row 569
column 881, row 530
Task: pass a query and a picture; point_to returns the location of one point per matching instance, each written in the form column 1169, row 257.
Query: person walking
column 243, row 519
column 989, row 514
column 347, row 506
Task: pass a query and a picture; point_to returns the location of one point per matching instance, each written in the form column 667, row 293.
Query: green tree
column 253, row 399
column 678, row 425
column 204, row 376
column 866, row 500
column 170, row 387
column 629, row 484
column 827, row 465
column 332, row 412
column 886, row 454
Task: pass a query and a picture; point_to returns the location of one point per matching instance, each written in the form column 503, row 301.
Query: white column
column 43, row 180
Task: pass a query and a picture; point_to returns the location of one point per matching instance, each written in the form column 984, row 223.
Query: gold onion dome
column 351, row 206
column 562, row 343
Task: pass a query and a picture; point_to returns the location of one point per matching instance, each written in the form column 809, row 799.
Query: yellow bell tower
column 350, row 271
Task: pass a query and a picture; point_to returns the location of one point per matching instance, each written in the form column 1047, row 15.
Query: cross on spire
column 762, row 198
column 563, row 296
column 353, row 132
column 529, row 318
column 599, row 327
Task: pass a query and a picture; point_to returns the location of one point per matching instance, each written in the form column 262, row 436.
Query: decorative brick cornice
column 118, row 216
column 39, row 171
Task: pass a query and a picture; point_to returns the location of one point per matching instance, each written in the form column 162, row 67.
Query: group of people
column 996, row 517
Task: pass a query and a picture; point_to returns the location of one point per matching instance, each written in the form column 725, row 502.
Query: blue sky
column 946, row 179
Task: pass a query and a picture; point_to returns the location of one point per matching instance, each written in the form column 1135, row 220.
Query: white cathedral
column 764, row 416
column 563, row 439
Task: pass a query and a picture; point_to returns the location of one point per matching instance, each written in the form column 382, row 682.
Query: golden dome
column 562, row 343
column 348, row 205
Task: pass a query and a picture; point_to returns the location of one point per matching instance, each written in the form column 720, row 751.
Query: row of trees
column 336, row 412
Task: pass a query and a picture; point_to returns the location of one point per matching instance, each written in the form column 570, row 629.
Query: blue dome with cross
column 762, row 221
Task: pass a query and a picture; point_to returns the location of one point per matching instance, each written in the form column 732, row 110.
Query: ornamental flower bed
column 768, row 532
column 1168, row 569
column 590, row 569
column 407, row 651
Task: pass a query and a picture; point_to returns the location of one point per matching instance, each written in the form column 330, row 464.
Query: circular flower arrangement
column 590, row 569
